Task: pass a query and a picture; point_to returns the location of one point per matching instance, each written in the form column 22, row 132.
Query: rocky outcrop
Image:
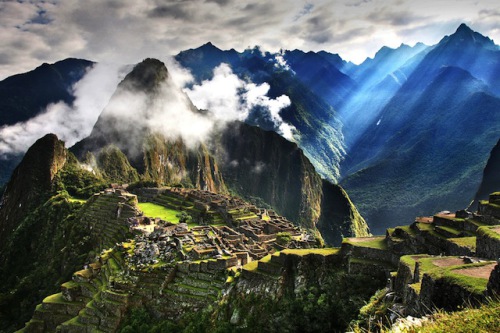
column 31, row 183
column 491, row 177
column 494, row 282
column 339, row 217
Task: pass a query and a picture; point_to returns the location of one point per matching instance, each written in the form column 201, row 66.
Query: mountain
column 23, row 96
column 321, row 74
column 244, row 159
column 29, row 185
column 319, row 128
column 43, row 194
column 26, row 95
column 429, row 144
column 377, row 81
column 262, row 164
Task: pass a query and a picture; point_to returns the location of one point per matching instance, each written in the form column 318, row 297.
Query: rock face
column 491, row 177
column 494, row 282
column 31, row 181
column 261, row 163
column 257, row 163
column 339, row 217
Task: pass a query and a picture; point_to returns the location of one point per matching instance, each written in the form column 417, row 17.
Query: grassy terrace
column 474, row 285
column 154, row 210
column 371, row 242
column 469, row 242
column 82, row 201
column 56, row 298
column 489, row 232
column 304, row 252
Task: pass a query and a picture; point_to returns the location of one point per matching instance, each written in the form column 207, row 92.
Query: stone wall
column 487, row 243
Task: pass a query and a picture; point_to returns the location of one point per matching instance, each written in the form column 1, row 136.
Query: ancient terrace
column 205, row 225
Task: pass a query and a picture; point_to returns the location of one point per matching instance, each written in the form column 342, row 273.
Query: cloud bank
column 33, row 32
column 69, row 123
column 229, row 98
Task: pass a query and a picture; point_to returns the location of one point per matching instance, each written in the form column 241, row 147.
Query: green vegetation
column 304, row 252
column 154, row 210
column 483, row 319
column 35, row 267
column 469, row 242
column 251, row 266
column 283, row 238
column 79, row 182
column 115, row 165
column 184, row 217
column 373, row 315
column 474, row 285
column 488, row 232
column 372, row 242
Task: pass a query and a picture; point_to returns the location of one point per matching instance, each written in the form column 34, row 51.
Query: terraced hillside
column 106, row 214
column 443, row 261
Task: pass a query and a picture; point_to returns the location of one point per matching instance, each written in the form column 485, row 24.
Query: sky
column 127, row 31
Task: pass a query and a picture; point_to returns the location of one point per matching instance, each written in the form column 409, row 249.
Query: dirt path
column 445, row 262
column 363, row 239
column 479, row 272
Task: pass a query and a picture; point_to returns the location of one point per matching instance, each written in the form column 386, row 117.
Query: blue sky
column 126, row 31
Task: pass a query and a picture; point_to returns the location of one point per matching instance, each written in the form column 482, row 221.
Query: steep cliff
column 30, row 183
column 258, row 163
column 491, row 177
column 40, row 243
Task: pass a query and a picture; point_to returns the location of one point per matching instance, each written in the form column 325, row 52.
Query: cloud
column 69, row 123
column 128, row 31
column 229, row 98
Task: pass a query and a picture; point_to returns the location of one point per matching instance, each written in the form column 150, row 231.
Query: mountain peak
column 464, row 34
column 146, row 75
column 464, row 28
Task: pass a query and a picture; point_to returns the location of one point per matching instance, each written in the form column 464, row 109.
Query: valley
column 301, row 193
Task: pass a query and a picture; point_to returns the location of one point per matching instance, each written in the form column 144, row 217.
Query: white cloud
column 128, row 31
column 69, row 123
column 229, row 98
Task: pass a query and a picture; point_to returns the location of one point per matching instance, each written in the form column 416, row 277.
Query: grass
column 82, row 201
column 449, row 230
column 304, row 252
column 472, row 284
column 377, row 243
column 70, row 284
column 469, row 242
column 483, row 319
column 56, row 298
column 407, row 229
column 425, row 226
column 251, row 266
column 154, row 210
column 488, row 232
